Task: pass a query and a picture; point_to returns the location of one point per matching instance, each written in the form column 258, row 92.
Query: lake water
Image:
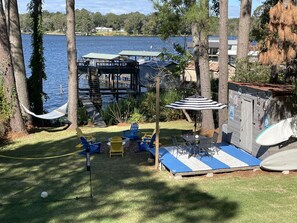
column 55, row 54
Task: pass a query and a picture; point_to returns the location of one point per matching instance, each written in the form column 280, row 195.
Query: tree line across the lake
column 132, row 24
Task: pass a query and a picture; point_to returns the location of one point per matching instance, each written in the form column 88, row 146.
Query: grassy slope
column 129, row 189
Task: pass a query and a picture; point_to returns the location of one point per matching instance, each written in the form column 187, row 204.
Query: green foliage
column 136, row 117
column 167, row 97
column 259, row 29
column 147, row 106
column 134, row 23
column 252, row 72
column 5, row 111
column 84, row 21
column 5, row 106
column 182, row 57
column 142, row 109
column 118, row 112
column 167, row 21
column 82, row 115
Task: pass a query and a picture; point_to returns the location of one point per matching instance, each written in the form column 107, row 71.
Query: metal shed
column 252, row 109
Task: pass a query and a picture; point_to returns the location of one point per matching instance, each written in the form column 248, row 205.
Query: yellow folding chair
column 116, row 146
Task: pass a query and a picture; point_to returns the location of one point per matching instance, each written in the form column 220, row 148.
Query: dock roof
column 102, row 56
column 140, row 53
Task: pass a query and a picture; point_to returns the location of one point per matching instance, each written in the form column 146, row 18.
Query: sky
column 119, row 6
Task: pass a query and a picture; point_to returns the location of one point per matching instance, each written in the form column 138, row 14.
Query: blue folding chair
column 133, row 132
column 93, row 147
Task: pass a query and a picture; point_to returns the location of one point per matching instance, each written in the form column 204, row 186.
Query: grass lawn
column 129, row 189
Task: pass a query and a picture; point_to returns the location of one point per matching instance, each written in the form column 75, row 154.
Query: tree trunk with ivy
column 35, row 83
column 13, row 25
column 6, row 71
column 72, row 68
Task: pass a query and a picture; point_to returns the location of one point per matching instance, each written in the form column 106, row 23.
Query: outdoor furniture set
column 196, row 145
column 116, row 144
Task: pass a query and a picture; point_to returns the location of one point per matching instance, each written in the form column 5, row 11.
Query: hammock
column 57, row 113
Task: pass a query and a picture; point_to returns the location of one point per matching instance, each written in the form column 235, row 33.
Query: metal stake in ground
column 88, row 165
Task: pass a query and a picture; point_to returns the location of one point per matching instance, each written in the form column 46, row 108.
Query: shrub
column 136, row 117
column 169, row 114
column 118, row 112
column 252, row 72
column 82, row 116
column 147, row 106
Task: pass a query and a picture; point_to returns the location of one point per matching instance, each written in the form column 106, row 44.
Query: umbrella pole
column 195, row 125
column 157, row 122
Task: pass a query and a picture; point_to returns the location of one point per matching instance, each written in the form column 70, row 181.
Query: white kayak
column 281, row 161
column 276, row 133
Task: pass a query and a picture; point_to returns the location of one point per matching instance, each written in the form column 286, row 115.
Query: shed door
column 246, row 125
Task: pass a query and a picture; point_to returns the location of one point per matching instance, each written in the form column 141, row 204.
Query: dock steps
column 92, row 111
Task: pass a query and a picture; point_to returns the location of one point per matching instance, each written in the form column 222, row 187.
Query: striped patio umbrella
column 196, row 103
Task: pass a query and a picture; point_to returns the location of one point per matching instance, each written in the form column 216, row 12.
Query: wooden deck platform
column 228, row 158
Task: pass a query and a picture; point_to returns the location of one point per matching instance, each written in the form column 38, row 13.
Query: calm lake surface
column 55, row 53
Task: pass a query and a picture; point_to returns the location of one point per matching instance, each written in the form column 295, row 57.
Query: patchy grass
column 129, row 189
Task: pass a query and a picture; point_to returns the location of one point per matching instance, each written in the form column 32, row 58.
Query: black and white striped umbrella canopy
column 196, row 103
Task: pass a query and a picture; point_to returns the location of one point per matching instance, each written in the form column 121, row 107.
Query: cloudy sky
column 118, row 6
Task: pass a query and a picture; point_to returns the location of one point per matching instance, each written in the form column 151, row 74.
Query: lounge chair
column 132, row 133
column 80, row 134
column 116, row 146
column 147, row 135
column 93, row 147
column 145, row 145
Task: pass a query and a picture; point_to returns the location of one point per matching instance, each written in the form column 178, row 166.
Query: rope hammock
column 57, row 113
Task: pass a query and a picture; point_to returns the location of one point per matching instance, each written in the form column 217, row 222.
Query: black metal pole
column 88, row 165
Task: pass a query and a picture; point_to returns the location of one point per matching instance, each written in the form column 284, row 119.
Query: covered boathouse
column 109, row 74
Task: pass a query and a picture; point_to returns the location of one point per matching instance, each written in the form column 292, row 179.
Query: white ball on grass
column 44, row 194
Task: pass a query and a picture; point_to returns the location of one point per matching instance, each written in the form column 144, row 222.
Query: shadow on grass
column 125, row 189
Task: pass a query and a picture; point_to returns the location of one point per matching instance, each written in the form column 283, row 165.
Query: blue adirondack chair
column 133, row 132
column 93, row 147
column 144, row 145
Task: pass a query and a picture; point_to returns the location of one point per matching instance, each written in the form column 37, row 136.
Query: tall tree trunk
column 207, row 115
column 244, row 29
column 6, row 69
column 223, row 63
column 72, row 68
column 13, row 24
column 195, row 35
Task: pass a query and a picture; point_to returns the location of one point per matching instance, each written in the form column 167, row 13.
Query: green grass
column 129, row 189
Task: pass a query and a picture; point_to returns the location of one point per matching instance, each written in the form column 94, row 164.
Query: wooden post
column 157, row 122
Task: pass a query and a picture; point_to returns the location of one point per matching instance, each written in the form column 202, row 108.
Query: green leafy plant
column 5, row 106
column 136, row 117
column 82, row 115
column 118, row 112
column 252, row 72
